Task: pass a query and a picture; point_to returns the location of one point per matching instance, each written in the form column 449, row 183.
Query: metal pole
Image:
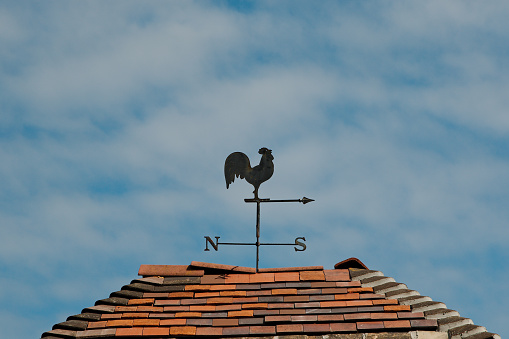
column 257, row 234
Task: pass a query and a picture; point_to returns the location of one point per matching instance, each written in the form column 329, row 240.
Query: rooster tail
column 236, row 165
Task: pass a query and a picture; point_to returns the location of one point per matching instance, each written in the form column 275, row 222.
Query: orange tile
column 397, row 324
column 154, row 331
column 96, row 324
column 223, row 287
column 149, row 309
column 168, row 270
column 331, row 317
column 206, row 294
column 336, row 303
column 337, row 275
column 180, row 294
column 255, row 306
column 167, row 302
column 360, row 289
column 310, row 328
column 286, row 276
column 147, row 301
column 125, row 308
column 343, row 327
column 110, row 316
column 348, row 296
column 243, row 313
column 225, row 322
column 172, row 322
column 220, row 300
column 232, row 293
column 284, row 291
column 126, row 332
column 384, row 315
column 397, row 308
column 197, row 287
column 261, row 278
column 188, row 315
column 312, row 275
column 146, row 322
column 262, row 329
column 120, row 323
column 183, row 330
column 237, row 279
column 135, row 315
column 359, row 302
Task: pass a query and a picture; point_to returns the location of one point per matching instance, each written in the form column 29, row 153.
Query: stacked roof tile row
column 209, row 300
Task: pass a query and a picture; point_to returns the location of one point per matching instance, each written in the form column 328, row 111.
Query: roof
column 213, row 300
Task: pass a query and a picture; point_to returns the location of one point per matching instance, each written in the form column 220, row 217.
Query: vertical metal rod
column 257, row 234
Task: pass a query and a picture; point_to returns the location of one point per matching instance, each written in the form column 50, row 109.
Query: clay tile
column 220, row 267
column 350, row 263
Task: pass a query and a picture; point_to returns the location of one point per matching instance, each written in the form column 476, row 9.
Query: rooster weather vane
column 237, row 165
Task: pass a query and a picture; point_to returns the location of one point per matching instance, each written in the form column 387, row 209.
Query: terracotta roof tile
column 214, row 300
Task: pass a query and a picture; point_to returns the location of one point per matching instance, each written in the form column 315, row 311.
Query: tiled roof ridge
column 213, row 300
column 448, row 320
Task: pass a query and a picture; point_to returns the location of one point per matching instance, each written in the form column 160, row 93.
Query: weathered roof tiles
column 211, row 300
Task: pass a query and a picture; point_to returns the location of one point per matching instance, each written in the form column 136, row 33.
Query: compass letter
column 208, row 241
column 300, row 243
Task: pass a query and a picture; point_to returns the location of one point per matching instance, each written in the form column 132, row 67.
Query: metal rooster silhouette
column 237, row 165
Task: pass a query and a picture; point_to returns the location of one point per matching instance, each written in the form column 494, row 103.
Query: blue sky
column 116, row 118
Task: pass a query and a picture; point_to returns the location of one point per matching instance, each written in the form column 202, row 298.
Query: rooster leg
column 256, row 193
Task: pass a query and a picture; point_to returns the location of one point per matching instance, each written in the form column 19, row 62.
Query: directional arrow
column 304, row 200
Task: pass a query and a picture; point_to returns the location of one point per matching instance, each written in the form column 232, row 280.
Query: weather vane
column 237, row 165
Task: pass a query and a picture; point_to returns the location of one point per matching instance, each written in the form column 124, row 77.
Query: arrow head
column 305, row 200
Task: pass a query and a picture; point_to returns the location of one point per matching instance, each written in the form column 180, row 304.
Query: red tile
column 146, row 322
column 209, row 331
column 410, row 315
column 240, row 330
column 176, row 308
column 126, row 332
column 296, row 298
column 183, row 330
column 230, row 307
column 347, row 296
column 202, row 308
column 343, row 327
column 331, row 317
column 323, row 284
column 384, row 315
column 168, row 270
column 153, row 331
column 291, row 269
column 286, row 276
column 261, row 278
column 311, row 275
column 262, row 329
column 125, row 308
column 172, row 322
column 397, row 324
column 223, row 267
column 316, row 328
column 277, row 318
column 162, row 302
column 289, row 328
column 149, row 309
column 307, row 318
column 357, row 316
column 397, row 308
column 372, row 325
column 337, row 275
column 225, row 322
column 243, row 313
